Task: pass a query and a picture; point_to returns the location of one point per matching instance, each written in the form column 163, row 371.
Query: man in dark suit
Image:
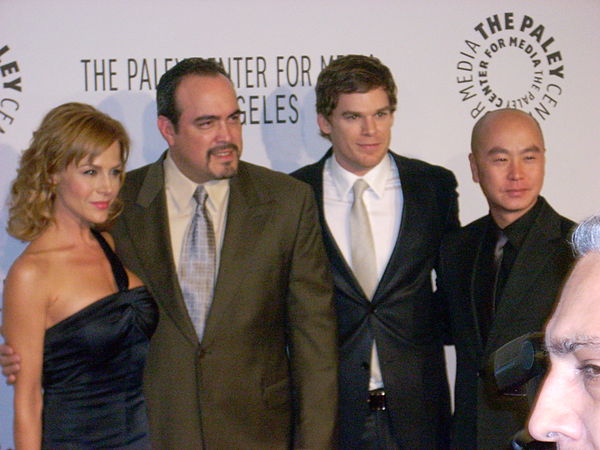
column 263, row 372
column 393, row 386
column 501, row 274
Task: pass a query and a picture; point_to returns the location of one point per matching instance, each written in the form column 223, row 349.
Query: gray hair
column 586, row 237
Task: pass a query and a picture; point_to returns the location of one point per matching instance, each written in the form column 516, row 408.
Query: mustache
column 227, row 146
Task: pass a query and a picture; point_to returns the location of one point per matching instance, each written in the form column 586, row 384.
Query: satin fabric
column 93, row 370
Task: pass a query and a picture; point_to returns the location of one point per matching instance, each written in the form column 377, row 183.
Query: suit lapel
column 248, row 211
column 531, row 260
column 413, row 225
column 149, row 231
column 475, row 243
column 344, row 278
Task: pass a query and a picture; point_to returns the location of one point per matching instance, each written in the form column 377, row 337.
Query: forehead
column 578, row 311
column 510, row 130
column 372, row 100
column 212, row 94
column 96, row 154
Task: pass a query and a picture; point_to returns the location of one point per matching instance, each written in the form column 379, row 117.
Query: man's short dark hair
column 349, row 74
column 165, row 91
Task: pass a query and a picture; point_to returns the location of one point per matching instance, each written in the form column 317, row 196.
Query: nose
column 556, row 415
column 369, row 126
column 107, row 184
column 224, row 132
column 515, row 170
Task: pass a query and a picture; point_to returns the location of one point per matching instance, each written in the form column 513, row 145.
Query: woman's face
column 85, row 190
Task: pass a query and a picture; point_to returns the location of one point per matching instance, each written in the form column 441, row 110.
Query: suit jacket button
column 365, row 366
column 201, row 353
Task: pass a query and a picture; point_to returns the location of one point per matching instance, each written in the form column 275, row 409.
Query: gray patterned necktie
column 498, row 256
column 197, row 263
column 362, row 247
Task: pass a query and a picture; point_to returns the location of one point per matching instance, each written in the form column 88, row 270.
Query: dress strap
column 118, row 270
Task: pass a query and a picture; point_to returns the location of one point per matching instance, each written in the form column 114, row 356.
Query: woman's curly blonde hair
column 68, row 134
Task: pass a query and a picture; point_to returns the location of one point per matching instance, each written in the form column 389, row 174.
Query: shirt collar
column 377, row 177
column 517, row 231
column 181, row 188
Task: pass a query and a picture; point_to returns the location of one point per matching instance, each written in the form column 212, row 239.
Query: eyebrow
column 567, row 346
column 204, row 118
column 215, row 117
column 385, row 108
column 502, row 151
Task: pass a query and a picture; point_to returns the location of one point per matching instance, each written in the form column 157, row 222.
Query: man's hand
column 9, row 361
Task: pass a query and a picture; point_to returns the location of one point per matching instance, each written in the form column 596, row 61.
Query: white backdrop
column 451, row 60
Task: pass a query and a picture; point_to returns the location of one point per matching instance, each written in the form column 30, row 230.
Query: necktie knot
column 200, row 195
column 499, row 248
column 358, row 188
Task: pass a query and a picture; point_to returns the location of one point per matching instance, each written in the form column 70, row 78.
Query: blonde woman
column 79, row 320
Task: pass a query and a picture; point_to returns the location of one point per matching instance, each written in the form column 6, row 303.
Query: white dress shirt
column 384, row 202
column 181, row 206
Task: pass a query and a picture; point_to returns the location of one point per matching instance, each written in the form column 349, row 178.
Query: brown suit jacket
column 264, row 375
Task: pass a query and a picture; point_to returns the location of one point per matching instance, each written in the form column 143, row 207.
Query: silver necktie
column 362, row 247
column 197, row 263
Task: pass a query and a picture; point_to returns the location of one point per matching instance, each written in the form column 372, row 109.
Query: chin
column 227, row 171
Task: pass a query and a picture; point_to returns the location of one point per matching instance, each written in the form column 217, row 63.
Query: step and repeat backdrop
column 452, row 61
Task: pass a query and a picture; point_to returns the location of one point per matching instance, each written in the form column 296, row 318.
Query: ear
column 474, row 169
column 166, row 128
column 324, row 124
column 55, row 178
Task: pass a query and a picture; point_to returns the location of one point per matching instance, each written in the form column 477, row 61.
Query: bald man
column 500, row 275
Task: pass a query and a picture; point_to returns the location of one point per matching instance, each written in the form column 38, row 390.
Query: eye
column 90, row 172
column 204, row 124
column 591, row 372
column 235, row 117
column 117, row 172
column 350, row 116
column 382, row 114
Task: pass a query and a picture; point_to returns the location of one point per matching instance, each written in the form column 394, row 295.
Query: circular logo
column 511, row 61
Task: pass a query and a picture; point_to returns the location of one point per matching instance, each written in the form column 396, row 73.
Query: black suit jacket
column 482, row 418
column 402, row 317
column 268, row 356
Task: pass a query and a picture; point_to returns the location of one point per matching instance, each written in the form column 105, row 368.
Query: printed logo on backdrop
column 269, row 89
column 511, row 61
column 10, row 88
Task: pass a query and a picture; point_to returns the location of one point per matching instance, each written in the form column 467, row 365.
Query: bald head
column 507, row 160
column 488, row 122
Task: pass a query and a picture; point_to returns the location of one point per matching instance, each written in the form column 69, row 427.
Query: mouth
column 225, row 151
column 101, row 205
column 516, row 192
column 369, row 146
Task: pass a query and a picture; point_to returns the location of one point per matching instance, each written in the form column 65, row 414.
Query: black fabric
column 485, row 280
column 93, row 367
column 516, row 234
column 484, row 419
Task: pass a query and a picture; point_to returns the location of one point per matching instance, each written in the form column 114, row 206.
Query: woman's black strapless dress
column 93, row 369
